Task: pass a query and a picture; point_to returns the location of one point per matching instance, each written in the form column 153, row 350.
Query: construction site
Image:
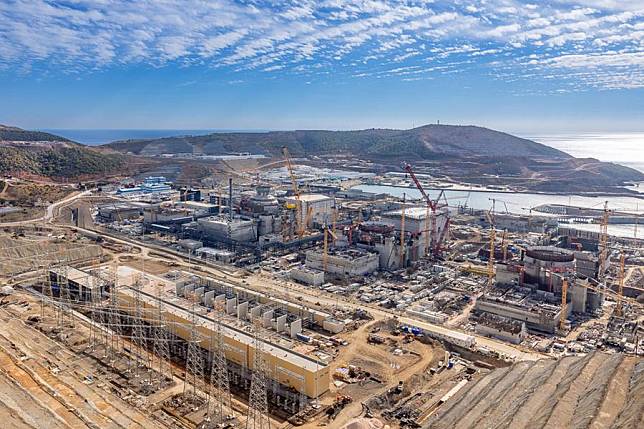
column 269, row 298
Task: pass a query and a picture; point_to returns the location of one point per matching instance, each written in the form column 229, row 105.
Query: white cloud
column 309, row 36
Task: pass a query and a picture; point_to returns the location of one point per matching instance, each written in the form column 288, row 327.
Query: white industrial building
column 429, row 230
column 317, row 208
column 223, row 228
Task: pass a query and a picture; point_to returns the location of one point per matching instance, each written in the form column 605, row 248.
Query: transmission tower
column 92, row 325
column 64, row 293
column 47, row 291
column 220, row 390
column 102, row 319
column 114, row 317
column 258, row 397
column 162, row 340
column 194, row 359
column 138, row 330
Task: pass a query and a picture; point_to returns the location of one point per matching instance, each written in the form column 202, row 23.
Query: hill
column 429, row 141
column 44, row 154
column 15, row 134
column 469, row 154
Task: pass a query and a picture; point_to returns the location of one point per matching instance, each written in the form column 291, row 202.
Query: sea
column 95, row 137
column 621, row 148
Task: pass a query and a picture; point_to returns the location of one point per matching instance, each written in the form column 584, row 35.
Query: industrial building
column 540, row 311
column 540, row 262
column 151, row 185
column 199, row 208
column 121, row 210
column 166, row 215
column 343, row 262
column 291, row 373
column 80, row 285
column 307, row 276
column 504, row 328
column 215, row 255
column 189, row 194
column 223, row 228
column 426, row 229
column 530, row 290
column 519, row 223
column 262, row 202
column 316, row 209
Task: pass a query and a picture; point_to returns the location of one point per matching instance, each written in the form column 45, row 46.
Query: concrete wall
column 218, row 228
column 308, row 276
column 490, row 331
column 544, row 321
column 344, row 264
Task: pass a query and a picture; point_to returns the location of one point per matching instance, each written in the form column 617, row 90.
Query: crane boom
column 432, row 217
column 564, row 297
column 296, row 192
column 402, row 234
column 431, row 203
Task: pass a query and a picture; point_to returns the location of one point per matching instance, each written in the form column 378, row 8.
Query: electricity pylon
column 194, row 359
column 258, row 397
column 162, row 341
column 219, row 373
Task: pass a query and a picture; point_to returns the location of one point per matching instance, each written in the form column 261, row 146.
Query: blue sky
column 521, row 66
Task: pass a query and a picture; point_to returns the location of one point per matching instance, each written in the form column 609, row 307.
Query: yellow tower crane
column 490, row 261
column 325, row 260
column 564, row 304
column 334, row 220
column 301, row 227
column 619, row 309
column 504, row 245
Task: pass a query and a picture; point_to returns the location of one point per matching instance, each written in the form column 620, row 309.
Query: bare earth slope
column 594, row 391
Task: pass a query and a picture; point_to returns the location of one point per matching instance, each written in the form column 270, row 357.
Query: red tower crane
column 432, row 207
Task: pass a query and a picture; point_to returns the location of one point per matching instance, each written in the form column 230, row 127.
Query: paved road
column 50, row 212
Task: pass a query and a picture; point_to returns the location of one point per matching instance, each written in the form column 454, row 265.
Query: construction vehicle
column 375, row 339
column 338, row 405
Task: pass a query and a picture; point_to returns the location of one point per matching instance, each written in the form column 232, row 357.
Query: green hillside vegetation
column 57, row 162
column 11, row 134
column 59, row 157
